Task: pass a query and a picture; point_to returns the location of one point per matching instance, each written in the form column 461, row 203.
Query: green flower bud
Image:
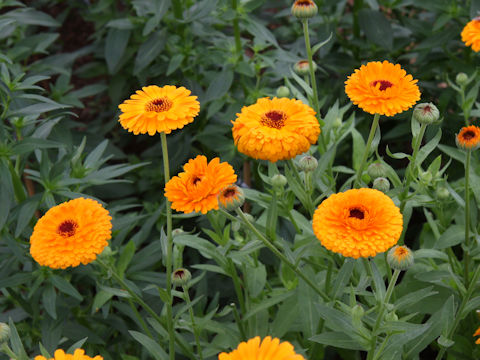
column 230, row 197
column 177, row 231
column 308, row 163
column 461, row 79
column 400, row 257
column 391, row 316
column 426, row 113
column 302, row 68
column 283, row 91
column 381, row 184
column 376, row 170
column 279, row 180
column 4, row 332
column 180, row 277
column 337, row 123
column 304, row 9
column 357, row 312
column 442, row 193
column 426, row 177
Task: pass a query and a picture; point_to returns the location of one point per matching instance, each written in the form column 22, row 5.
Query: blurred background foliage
column 66, row 65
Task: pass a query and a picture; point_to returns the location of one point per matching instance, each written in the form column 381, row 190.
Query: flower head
column 302, row 67
column 304, row 9
column 477, row 333
column 71, row 233
column 268, row 349
column 468, row 138
column 358, row 223
column 275, row 129
column 426, row 113
column 79, row 354
column 382, row 88
column 400, row 257
column 197, row 188
column 231, row 197
column 471, row 34
column 158, row 109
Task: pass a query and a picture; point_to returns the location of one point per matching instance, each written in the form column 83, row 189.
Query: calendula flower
column 268, row 349
column 468, row 138
column 400, row 257
column 358, row 223
column 477, row 333
column 158, row 109
column 79, row 354
column 70, row 234
column 304, row 9
column 275, row 129
column 382, row 88
column 231, row 197
column 197, row 188
column 471, row 34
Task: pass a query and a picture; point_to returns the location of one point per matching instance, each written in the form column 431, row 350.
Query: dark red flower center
column 384, row 84
column 67, row 228
column 274, row 119
column 195, row 180
column 159, row 105
column 228, row 193
column 468, row 135
column 357, row 213
column 303, row 3
column 427, row 109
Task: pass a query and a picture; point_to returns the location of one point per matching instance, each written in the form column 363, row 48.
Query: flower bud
column 230, row 197
column 381, row 184
column 302, row 68
column 391, row 316
column 283, row 91
column 400, row 257
column 442, row 193
column 177, row 231
column 180, row 277
column 357, row 312
column 426, row 113
column 461, row 79
column 426, row 177
column 307, row 163
column 278, row 180
column 4, row 332
column 337, row 123
column 304, row 9
column 376, row 170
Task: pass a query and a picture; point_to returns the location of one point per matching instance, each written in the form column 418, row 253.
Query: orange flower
column 158, row 109
column 197, row 188
column 79, row 354
column 268, row 349
column 468, row 138
column 358, row 223
column 477, row 333
column 275, row 129
column 71, row 233
column 382, row 88
column 231, row 197
column 471, row 34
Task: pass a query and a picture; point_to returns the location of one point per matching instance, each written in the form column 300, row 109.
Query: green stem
column 169, row 255
column 177, row 8
column 236, row 284
column 282, row 257
column 316, row 106
column 6, row 349
column 460, row 314
column 192, row 319
column 467, row 218
column 238, row 321
column 140, row 320
column 380, row 350
column 236, row 30
column 368, row 269
column 373, row 129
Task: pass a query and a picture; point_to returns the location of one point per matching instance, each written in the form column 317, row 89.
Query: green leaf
column 342, row 278
column 15, row 280
column 115, row 45
column 454, row 235
column 175, row 62
column 122, row 24
column 101, row 297
column 28, row 145
column 29, row 16
column 149, row 50
column 337, row 339
column 49, row 297
column 256, row 277
column 443, row 341
column 64, row 286
column 16, row 343
column 358, row 148
column 405, row 302
column 266, row 304
column 25, row 215
column 125, row 257
column 428, row 148
column 321, row 44
column 219, row 86
column 376, row 27
column 152, row 346
column 76, row 345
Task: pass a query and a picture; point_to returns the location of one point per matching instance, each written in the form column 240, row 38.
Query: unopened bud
column 426, row 113
column 304, row 9
column 337, row 123
column 376, row 170
column 426, row 177
column 391, row 316
column 302, row 68
column 180, row 277
column 307, row 163
column 231, row 197
column 443, row 193
column 278, row 180
column 4, row 332
column 357, row 312
column 461, row 79
column 177, row 231
column 400, row 257
column 283, row 91
column 381, row 184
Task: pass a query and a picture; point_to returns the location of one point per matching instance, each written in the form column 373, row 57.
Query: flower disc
column 275, row 129
column 59, row 354
column 158, row 109
column 268, row 349
column 382, row 88
column 358, row 223
column 468, row 138
column 471, row 34
column 197, row 188
column 70, row 234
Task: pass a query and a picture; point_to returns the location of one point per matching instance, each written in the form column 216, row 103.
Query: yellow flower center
column 357, row 213
column 384, row 84
column 468, row 135
column 401, row 252
column 159, row 105
column 274, row 119
column 67, row 228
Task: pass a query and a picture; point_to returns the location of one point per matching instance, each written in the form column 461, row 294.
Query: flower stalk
column 467, row 218
column 192, row 319
column 373, row 129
